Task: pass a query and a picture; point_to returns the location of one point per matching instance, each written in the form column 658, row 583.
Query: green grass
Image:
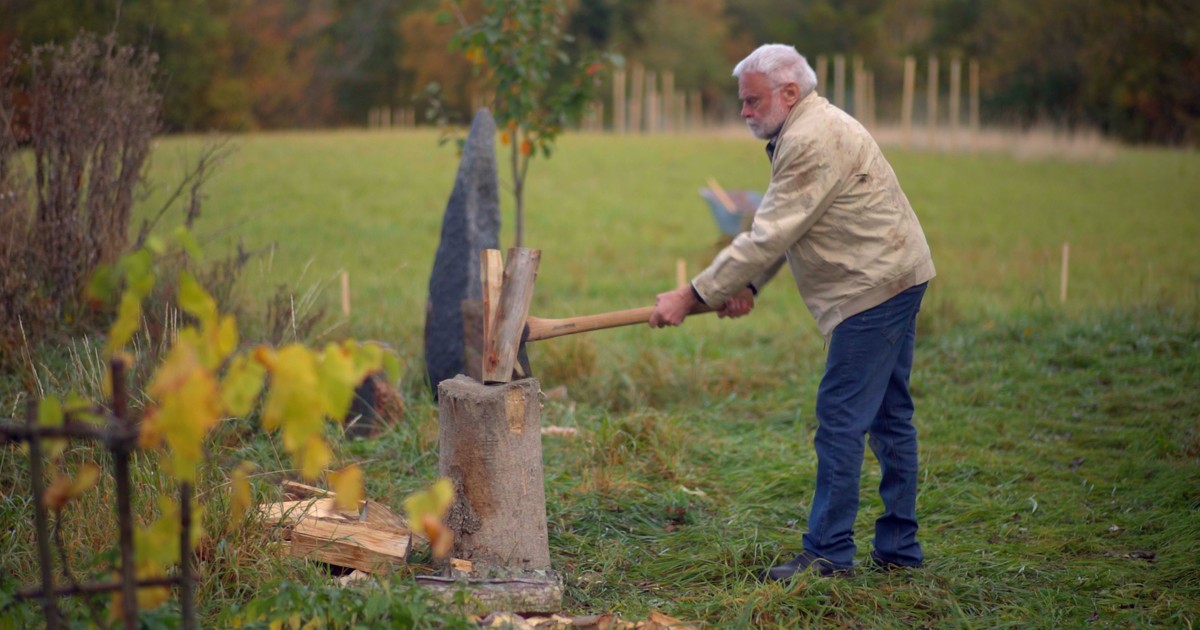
column 1060, row 442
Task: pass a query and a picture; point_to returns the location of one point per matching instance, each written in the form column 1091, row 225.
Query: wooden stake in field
column 871, row 99
column 681, row 278
column 931, row 100
column 651, row 101
column 860, row 90
column 839, row 81
column 906, row 109
column 619, row 104
column 637, row 83
column 955, row 97
column 668, row 100
column 823, row 74
column 1066, row 263
column 974, row 87
column 346, row 293
column 697, row 116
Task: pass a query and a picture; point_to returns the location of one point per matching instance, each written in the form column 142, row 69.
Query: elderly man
column 835, row 211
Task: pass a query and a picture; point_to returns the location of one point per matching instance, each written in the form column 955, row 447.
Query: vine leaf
column 348, row 484
column 427, row 514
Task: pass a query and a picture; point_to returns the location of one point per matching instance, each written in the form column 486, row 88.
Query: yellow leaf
column 427, row 512
column 196, row 301
column 187, row 406
column 85, row 478
column 185, row 238
column 227, row 336
column 82, row 409
column 50, row 412
column 294, row 402
column 138, row 269
column 368, row 358
column 55, row 495
column 338, row 380
column 391, row 365
column 242, row 383
column 240, row 497
column 149, row 431
column 348, row 484
column 129, row 318
column 64, row 489
column 313, row 457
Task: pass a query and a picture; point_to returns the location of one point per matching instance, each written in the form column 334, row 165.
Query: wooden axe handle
column 540, row 328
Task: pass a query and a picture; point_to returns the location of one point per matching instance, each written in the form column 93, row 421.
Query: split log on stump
column 473, row 340
column 505, row 333
column 491, row 448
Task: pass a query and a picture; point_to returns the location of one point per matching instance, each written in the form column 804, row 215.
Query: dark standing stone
column 471, row 224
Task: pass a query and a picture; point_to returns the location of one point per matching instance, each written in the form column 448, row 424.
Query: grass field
column 1060, row 442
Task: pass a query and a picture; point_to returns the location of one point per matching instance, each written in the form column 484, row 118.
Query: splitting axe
column 508, row 326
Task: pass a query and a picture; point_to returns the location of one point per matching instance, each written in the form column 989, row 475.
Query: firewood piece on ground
column 353, row 545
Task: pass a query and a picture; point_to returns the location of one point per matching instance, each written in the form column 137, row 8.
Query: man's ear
column 791, row 94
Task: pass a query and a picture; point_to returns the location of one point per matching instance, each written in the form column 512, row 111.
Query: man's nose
column 747, row 111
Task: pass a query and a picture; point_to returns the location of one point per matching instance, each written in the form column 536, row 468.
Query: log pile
column 372, row 539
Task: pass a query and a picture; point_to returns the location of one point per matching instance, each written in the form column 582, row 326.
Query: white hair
column 782, row 64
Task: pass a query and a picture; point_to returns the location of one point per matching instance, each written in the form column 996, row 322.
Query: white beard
column 768, row 127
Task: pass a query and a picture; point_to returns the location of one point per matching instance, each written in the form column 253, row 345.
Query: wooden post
column 823, row 74
column 651, row 101
column 619, row 104
column 974, row 89
column 839, row 81
column 681, row 278
column 1066, row 263
column 637, row 85
column 906, row 109
column 490, row 446
column 187, row 573
column 955, row 96
column 697, row 121
column 121, row 455
column 871, row 99
column 860, row 90
column 668, row 101
column 500, row 353
column 40, row 520
column 931, row 99
column 346, row 294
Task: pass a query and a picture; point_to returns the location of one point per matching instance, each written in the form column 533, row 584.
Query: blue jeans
column 865, row 391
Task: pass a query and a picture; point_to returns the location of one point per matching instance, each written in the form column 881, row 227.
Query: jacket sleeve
column 803, row 185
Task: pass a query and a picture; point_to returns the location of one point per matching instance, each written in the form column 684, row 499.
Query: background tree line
column 1129, row 68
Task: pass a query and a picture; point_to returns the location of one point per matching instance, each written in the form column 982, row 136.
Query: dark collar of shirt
column 771, row 149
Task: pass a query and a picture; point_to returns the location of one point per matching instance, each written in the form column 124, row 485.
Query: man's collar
column 800, row 105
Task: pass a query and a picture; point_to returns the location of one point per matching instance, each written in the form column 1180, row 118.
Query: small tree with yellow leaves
column 538, row 90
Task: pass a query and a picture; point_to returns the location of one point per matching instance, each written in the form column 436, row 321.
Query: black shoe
column 800, row 563
column 888, row 566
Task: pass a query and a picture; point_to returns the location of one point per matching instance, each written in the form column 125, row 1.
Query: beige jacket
column 834, row 208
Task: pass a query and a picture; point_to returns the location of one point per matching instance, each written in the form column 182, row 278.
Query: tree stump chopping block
column 491, row 448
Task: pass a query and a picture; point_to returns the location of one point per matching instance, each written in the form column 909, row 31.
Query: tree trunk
column 491, row 448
